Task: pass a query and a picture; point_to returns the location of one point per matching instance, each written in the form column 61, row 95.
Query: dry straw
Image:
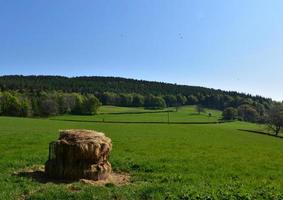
column 79, row 154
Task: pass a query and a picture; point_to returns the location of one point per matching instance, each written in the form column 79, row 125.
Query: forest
column 53, row 95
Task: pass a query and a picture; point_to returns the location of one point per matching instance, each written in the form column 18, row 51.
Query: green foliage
column 90, row 105
column 109, row 89
column 25, row 107
column 275, row 118
column 53, row 95
column 126, row 100
column 10, row 105
column 47, row 104
column 181, row 99
column 230, row 113
column 170, row 100
column 154, row 102
column 48, row 107
column 66, row 102
column 192, row 100
column 138, row 100
column 109, row 98
column 248, row 113
column 79, row 99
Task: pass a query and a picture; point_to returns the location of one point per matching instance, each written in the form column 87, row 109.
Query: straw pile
column 79, row 154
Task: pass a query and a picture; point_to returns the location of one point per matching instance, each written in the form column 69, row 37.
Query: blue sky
column 231, row 45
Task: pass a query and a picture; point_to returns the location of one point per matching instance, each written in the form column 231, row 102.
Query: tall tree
column 229, row 113
column 90, row 105
column 275, row 118
column 199, row 108
column 10, row 104
column 48, row 107
column 248, row 113
column 138, row 100
column 170, row 100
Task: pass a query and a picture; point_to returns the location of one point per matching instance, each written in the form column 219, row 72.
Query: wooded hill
column 96, row 84
column 130, row 92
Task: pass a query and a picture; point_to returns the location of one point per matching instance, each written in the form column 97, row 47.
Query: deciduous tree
column 275, row 118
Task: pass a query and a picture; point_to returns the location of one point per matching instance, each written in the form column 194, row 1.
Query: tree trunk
column 277, row 131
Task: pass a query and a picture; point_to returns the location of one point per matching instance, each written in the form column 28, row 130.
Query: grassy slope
column 109, row 113
column 117, row 109
column 174, row 161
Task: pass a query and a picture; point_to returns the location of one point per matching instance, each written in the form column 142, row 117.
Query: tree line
column 52, row 95
column 98, row 85
column 43, row 104
column 272, row 117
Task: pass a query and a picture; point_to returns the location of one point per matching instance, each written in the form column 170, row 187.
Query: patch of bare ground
column 118, row 179
column 37, row 174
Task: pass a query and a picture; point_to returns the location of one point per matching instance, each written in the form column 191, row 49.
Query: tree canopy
column 52, row 95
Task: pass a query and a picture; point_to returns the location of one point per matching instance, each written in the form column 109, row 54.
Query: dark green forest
column 47, row 95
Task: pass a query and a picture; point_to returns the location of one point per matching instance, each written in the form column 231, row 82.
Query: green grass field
column 165, row 161
column 186, row 114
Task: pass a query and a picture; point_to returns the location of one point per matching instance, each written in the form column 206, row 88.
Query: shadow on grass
column 40, row 177
column 138, row 122
column 142, row 112
column 261, row 133
column 195, row 114
column 115, row 178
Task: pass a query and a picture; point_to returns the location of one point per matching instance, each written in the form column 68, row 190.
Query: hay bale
column 79, row 154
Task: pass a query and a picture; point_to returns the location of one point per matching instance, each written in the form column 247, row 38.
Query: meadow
column 165, row 161
column 185, row 114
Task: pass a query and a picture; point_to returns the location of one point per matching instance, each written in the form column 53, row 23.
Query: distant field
column 121, row 114
column 166, row 161
column 118, row 110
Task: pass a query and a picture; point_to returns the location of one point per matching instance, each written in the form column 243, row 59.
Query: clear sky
column 226, row 44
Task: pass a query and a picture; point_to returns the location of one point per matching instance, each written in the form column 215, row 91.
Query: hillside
column 97, row 84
